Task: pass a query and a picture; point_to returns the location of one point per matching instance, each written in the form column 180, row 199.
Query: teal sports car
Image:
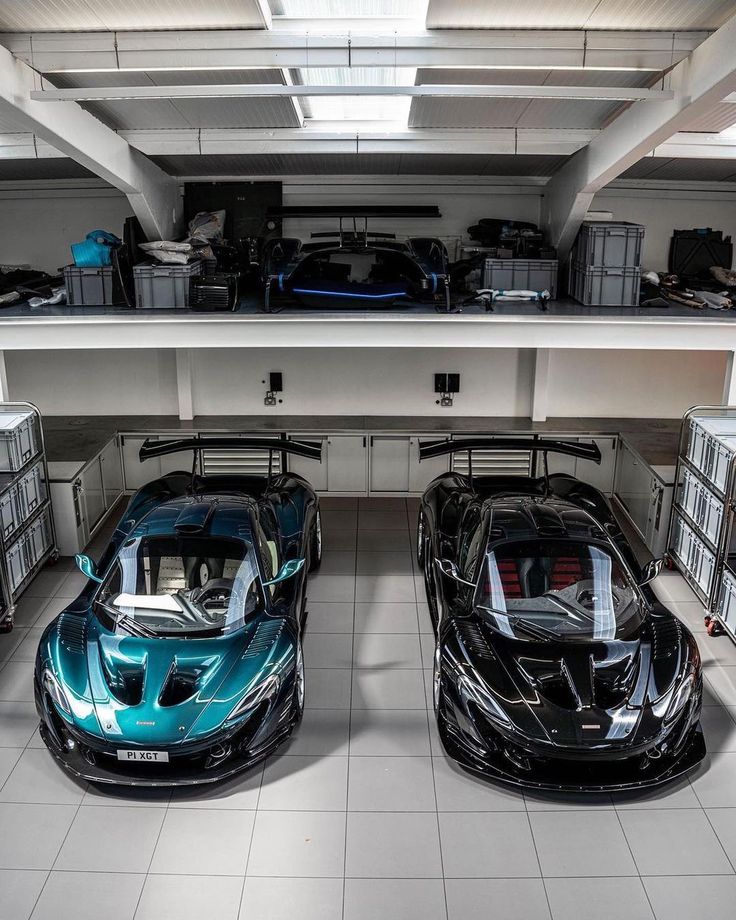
column 181, row 660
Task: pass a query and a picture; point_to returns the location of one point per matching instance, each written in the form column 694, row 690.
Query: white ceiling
column 128, row 114
column 93, row 15
column 578, row 14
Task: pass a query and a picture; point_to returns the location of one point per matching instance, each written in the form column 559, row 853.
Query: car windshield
column 555, row 589
column 180, row 586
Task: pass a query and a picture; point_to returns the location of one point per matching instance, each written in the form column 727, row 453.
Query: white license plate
column 146, row 756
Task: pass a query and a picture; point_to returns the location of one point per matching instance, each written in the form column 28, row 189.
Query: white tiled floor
column 360, row 815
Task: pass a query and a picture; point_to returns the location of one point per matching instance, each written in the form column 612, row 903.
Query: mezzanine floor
column 360, row 815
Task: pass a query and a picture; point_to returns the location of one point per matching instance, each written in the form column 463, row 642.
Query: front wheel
column 315, row 546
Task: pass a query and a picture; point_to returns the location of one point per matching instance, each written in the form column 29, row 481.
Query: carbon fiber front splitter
column 558, row 775
column 181, row 771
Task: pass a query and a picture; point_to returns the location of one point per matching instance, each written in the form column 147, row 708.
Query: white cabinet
column 112, row 472
column 645, row 493
column 389, row 463
column 82, row 494
column 347, row 464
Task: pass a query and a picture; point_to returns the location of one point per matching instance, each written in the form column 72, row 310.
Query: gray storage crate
column 38, row 538
column 18, row 440
column 31, row 491
column 93, row 287
column 160, row 286
column 10, row 513
column 609, row 244
column 605, row 287
column 727, row 601
column 16, row 560
column 521, row 274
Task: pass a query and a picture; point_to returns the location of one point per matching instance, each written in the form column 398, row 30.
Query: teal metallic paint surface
column 227, row 675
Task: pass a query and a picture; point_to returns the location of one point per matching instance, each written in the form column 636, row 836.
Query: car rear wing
column 312, row 450
column 586, row 451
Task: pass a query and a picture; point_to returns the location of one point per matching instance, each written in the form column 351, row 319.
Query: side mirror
column 449, row 569
column 287, row 570
column 87, row 567
column 650, row 571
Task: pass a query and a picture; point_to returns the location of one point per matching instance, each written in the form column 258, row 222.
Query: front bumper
column 95, row 760
column 518, row 766
column 180, row 771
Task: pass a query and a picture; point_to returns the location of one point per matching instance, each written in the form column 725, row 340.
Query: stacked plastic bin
column 605, row 267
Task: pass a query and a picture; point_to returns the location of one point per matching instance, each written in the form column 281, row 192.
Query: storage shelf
column 561, row 327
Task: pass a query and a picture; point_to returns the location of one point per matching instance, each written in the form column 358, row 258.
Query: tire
column 299, row 685
column 315, row 543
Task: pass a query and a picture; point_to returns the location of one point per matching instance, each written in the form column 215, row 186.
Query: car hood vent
column 72, row 630
column 474, row 641
column 265, row 635
column 125, row 679
column 551, row 681
column 181, row 684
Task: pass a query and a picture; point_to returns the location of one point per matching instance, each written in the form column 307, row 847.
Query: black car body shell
column 416, row 269
column 574, row 715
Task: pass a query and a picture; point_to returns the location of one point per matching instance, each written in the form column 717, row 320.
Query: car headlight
column 471, row 689
column 265, row 690
column 55, row 691
column 681, row 696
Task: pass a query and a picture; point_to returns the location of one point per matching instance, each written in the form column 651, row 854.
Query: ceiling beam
column 700, row 82
column 235, row 49
column 366, row 138
column 154, row 195
column 263, row 90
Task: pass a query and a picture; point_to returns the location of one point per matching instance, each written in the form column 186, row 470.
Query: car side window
column 471, row 543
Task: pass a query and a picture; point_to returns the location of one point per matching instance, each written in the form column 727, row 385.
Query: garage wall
column 104, row 382
column 661, row 212
column 39, row 224
column 41, row 220
column 367, row 381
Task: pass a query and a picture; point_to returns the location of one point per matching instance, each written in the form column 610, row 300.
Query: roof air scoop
column 194, row 518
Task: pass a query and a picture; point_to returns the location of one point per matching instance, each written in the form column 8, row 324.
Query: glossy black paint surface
column 546, row 713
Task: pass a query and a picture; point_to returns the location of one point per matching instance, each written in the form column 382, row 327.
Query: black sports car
column 555, row 666
column 181, row 661
column 356, row 268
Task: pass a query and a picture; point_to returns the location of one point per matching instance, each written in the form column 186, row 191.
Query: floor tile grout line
column 636, row 864
column 536, row 853
column 431, row 758
column 252, row 836
column 350, row 728
column 153, row 854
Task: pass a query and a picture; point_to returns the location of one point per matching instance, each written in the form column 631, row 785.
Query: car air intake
column 181, row 685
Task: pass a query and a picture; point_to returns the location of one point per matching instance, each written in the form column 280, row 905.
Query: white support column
column 729, row 380
column 699, row 82
column 4, row 389
column 153, row 195
column 184, row 382
column 540, row 377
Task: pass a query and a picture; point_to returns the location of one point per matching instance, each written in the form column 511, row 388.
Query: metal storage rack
column 702, row 539
column 27, row 534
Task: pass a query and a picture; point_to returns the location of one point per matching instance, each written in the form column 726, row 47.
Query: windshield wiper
column 532, row 629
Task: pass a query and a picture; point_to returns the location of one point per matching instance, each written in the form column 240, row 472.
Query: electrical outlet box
column 453, row 383
column 440, row 383
column 276, row 382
